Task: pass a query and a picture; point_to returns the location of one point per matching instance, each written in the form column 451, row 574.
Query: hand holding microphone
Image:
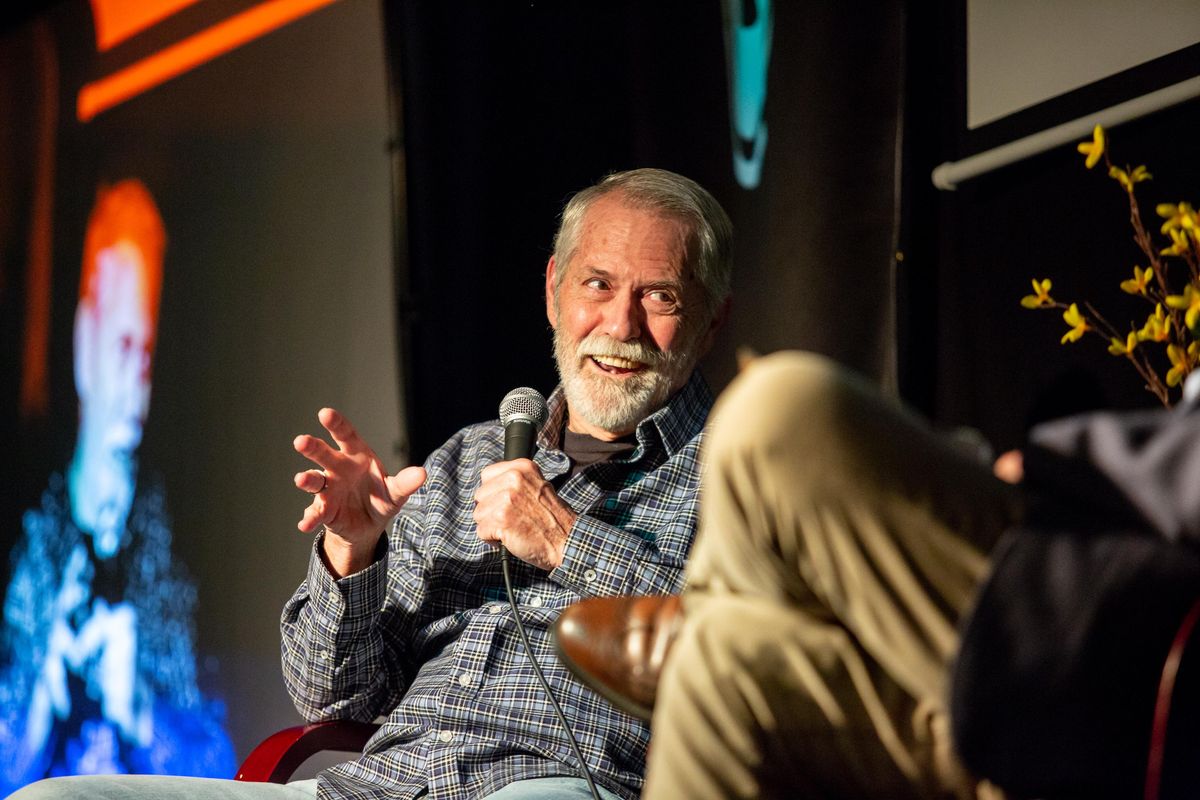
column 515, row 506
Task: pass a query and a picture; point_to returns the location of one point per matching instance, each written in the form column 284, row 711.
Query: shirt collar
column 675, row 424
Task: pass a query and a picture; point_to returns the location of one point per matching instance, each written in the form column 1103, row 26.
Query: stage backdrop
column 269, row 168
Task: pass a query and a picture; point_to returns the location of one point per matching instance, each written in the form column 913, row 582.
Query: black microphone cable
column 562, row 718
column 523, row 411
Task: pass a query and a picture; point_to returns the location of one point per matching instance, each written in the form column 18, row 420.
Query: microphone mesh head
column 524, row 403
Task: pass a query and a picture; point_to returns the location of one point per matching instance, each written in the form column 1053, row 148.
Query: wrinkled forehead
column 615, row 223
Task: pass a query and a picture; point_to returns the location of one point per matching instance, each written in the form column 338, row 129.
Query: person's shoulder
column 682, row 421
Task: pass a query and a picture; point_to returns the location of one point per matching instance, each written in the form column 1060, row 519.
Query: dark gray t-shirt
column 584, row 450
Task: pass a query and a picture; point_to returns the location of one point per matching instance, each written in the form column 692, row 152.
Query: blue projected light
column 99, row 671
column 749, row 25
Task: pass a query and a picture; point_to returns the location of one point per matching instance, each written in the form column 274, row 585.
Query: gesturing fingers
column 316, row 450
column 312, row 481
column 343, row 433
column 404, row 483
column 352, row 494
column 314, row 515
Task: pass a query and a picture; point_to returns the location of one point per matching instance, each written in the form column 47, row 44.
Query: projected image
column 97, row 628
column 749, row 27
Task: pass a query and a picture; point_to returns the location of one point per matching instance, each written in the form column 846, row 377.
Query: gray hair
column 710, row 245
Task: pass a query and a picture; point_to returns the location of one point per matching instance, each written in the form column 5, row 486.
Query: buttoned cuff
column 356, row 597
column 598, row 558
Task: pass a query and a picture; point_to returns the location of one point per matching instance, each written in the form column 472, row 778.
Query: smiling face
column 629, row 320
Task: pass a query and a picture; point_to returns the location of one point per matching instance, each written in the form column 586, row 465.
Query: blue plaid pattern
column 426, row 636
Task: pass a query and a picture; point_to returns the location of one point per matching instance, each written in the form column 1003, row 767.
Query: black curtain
column 508, row 107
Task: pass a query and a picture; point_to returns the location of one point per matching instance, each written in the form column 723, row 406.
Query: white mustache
column 605, row 346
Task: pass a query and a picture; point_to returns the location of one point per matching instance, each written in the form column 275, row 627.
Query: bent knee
column 794, row 405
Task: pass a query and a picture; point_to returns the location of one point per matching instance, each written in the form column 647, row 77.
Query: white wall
column 1021, row 52
column 272, row 170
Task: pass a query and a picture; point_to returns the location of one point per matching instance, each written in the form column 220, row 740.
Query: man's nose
column 623, row 318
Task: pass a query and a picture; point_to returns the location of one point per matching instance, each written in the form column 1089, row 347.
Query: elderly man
column 414, row 624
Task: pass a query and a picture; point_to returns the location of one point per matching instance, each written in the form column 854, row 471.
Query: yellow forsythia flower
column 1181, row 362
column 1093, row 149
column 1179, row 243
column 1119, row 348
column 1190, row 299
column 1128, row 179
column 1157, row 327
column 1041, row 296
column 1137, row 285
column 1078, row 322
column 1177, row 216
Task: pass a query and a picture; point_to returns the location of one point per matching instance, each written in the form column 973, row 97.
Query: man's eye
column 597, row 283
column 662, row 297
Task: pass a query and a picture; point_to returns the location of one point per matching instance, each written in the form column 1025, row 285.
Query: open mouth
column 615, row 365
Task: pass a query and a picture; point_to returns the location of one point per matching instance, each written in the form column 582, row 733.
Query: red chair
column 280, row 754
column 1180, row 733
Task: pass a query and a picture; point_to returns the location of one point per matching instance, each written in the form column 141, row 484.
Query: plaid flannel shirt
column 425, row 635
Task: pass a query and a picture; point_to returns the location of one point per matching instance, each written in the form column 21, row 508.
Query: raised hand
column 354, row 497
column 516, row 507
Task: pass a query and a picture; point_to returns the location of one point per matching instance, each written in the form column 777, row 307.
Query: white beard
column 618, row 404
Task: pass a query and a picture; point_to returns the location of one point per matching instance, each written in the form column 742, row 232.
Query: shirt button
column 446, row 736
column 589, row 575
column 323, row 655
column 494, row 608
column 464, row 679
column 535, row 601
column 334, row 596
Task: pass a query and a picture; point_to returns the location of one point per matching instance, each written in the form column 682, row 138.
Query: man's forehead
column 621, row 231
column 616, row 206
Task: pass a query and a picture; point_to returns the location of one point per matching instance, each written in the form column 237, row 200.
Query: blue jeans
column 165, row 787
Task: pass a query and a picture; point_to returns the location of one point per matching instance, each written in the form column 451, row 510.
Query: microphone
column 523, row 412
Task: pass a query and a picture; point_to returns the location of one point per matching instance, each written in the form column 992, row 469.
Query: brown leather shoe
column 617, row 646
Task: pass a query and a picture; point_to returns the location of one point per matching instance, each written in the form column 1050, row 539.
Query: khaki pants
column 840, row 544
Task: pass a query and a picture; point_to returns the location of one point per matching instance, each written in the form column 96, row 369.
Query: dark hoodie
column 1054, row 688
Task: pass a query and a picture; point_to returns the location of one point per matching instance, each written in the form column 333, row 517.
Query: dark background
column 968, row 353
column 511, row 108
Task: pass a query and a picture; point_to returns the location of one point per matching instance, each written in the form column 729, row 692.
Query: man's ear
column 85, row 345
column 551, row 310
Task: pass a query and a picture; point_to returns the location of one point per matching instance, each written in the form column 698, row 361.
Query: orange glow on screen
column 126, row 212
column 117, row 20
column 190, row 53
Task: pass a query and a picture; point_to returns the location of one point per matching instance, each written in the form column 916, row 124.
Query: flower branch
column 1173, row 325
